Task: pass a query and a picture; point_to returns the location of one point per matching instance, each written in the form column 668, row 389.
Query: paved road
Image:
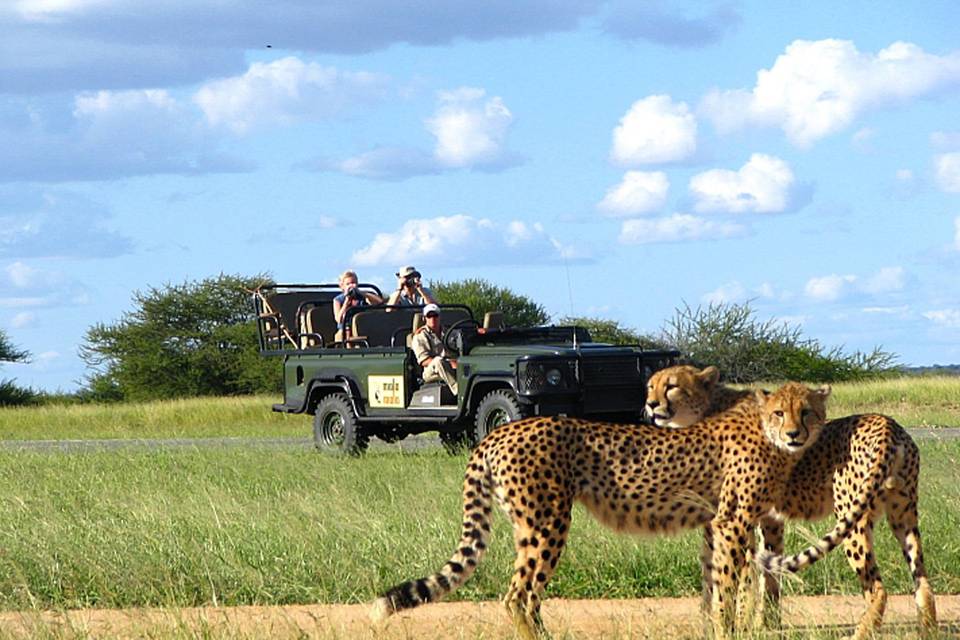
column 412, row 443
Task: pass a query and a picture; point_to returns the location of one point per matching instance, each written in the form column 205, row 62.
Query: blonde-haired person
column 350, row 296
column 410, row 291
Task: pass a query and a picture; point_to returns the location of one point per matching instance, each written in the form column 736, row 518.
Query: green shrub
column 482, row 296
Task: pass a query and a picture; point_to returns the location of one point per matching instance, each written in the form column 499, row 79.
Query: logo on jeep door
column 386, row 391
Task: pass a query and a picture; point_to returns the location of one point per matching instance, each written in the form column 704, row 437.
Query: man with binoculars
column 410, row 291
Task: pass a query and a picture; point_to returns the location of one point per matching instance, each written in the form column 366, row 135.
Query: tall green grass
column 927, row 401
column 186, row 418
column 264, row 526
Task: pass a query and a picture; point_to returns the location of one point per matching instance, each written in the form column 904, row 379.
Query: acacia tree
column 482, row 296
column 191, row 339
column 10, row 393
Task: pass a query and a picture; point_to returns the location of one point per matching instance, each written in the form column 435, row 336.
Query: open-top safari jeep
column 370, row 385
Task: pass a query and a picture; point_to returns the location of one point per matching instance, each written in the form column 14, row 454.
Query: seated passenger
column 410, row 292
column 351, row 297
column 428, row 350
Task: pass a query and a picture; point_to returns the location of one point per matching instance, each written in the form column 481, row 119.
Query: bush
column 610, row 331
column 482, row 296
column 748, row 350
column 193, row 339
column 10, row 393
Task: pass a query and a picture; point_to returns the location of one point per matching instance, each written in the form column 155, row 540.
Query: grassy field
column 915, row 401
column 266, row 526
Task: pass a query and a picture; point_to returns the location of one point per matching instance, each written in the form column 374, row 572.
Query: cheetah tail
column 772, row 563
column 477, row 501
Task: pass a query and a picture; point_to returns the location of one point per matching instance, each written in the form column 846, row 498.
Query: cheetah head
column 679, row 396
column 793, row 415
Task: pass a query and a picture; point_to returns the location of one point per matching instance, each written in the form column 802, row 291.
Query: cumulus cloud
column 658, row 23
column 638, row 193
column 947, row 140
column 654, row 130
column 817, row 88
column 470, row 130
column 46, row 223
column 463, row 240
column 107, row 134
column 949, row 318
column 948, row 171
column 833, row 287
column 22, row 319
column 679, row 227
column 284, row 92
column 763, row 185
column 736, row 291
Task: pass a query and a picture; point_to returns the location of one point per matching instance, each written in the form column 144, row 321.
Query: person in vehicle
column 410, row 291
column 351, row 296
column 429, row 352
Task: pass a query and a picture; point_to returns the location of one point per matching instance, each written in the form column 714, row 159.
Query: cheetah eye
column 671, row 386
column 778, row 413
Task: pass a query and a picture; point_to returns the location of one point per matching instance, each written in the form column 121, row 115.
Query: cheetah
column 825, row 479
column 725, row 473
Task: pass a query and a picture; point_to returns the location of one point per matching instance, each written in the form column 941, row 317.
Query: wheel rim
column 495, row 418
column 331, row 429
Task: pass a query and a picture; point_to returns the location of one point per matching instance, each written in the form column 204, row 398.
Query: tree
column 610, row 331
column 10, row 393
column 482, row 296
column 746, row 349
column 192, row 339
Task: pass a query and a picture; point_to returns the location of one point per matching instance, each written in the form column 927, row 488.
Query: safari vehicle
column 370, row 385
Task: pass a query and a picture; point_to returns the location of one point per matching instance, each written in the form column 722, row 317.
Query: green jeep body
column 370, row 386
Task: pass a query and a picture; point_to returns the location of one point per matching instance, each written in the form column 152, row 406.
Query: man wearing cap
column 410, row 292
column 428, row 350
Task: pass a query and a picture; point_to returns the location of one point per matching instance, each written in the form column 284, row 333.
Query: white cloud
column 22, row 276
column 904, row 176
column 284, row 92
column 886, row 280
column 640, row 192
column 956, row 234
column 832, row 287
column 726, row 293
column 22, row 319
column 829, row 288
column 469, row 130
column 946, row 140
column 654, row 130
column 948, row 171
column 944, row 317
column 762, row 185
column 462, row 240
column 816, row 88
column 679, row 227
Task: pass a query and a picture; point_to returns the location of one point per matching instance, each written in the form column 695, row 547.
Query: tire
column 497, row 408
column 335, row 427
column 455, row 441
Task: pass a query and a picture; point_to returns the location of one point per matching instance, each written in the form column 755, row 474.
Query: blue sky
column 611, row 159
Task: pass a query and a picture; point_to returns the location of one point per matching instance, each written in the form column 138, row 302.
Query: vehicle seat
column 317, row 326
column 379, row 328
column 493, row 320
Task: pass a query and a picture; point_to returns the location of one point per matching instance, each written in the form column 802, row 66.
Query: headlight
column 554, row 377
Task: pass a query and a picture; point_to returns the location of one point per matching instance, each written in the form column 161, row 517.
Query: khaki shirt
column 426, row 344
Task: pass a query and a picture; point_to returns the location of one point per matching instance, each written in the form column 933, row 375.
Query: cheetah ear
column 709, row 376
column 761, row 395
column 824, row 391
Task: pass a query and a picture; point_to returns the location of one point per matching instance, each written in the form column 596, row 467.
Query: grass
column 204, row 526
column 186, row 418
column 914, row 401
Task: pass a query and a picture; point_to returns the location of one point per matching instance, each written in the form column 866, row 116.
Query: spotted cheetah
column 828, row 475
column 725, row 472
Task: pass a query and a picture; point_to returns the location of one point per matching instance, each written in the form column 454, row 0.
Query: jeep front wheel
column 335, row 427
column 497, row 408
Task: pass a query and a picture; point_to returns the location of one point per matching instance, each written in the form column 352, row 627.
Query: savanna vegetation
column 204, row 526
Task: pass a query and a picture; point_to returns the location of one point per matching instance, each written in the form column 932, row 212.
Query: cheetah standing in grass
column 828, row 477
column 726, row 472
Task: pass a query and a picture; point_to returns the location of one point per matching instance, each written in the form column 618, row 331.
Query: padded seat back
column 317, row 326
column 381, row 328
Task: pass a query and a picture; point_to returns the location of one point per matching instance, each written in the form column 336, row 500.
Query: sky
column 605, row 158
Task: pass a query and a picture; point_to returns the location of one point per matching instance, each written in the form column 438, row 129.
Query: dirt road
column 592, row 619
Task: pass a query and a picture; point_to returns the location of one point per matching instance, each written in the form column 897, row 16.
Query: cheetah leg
column 538, row 551
column 904, row 525
column 860, row 555
column 747, row 605
column 706, row 583
column 727, row 566
column 769, row 610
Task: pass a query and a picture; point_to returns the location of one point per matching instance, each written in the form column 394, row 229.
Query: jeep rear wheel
column 497, row 408
column 335, row 427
